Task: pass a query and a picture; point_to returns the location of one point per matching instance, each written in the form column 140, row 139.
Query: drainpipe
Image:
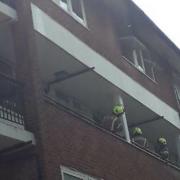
column 119, row 100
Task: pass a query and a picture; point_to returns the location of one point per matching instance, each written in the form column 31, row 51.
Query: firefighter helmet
column 118, row 109
column 162, row 140
column 137, row 131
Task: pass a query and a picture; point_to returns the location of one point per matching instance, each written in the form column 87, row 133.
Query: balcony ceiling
column 7, row 142
column 11, row 135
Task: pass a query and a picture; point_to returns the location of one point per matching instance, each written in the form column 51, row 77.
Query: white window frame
column 75, row 173
column 70, row 11
column 138, row 60
column 141, row 66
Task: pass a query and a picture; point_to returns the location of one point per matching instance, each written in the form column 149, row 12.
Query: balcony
column 7, row 11
column 12, row 131
column 83, row 92
column 11, row 102
column 100, row 144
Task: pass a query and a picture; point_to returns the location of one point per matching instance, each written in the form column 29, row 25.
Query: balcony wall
column 71, row 142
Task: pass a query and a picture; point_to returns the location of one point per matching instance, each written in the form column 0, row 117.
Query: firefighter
column 162, row 148
column 116, row 125
column 138, row 138
column 114, row 122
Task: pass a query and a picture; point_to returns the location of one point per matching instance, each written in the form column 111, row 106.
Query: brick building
column 63, row 65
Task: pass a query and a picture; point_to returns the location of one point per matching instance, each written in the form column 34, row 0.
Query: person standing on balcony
column 162, row 148
column 138, row 138
column 114, row 122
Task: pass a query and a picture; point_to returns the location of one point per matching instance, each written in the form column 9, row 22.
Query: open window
column 176, row 85
column 177, row 93
column 78, row 89
column 177, row 88
column 75, row 8
column 137, row 54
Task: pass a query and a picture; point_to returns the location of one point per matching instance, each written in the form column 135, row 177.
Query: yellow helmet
column 137, row 131
column 118, row 109
column 162, row 140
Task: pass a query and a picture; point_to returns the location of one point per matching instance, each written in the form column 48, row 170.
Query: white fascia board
column 16, row 133
column 8, row 11
column 63, row 38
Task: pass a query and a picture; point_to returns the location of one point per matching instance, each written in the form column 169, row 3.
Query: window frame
column 70, row 11
column 75, row 173
column 177, row 94
column 140, row 65
column 137, row 57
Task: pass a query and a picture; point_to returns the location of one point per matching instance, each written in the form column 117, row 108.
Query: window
column 75, row 8
column 138, row 59
column 177, row 93
column 71, row 174
column 137, row 54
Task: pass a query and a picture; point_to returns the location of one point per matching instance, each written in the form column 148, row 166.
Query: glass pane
column 149, row 69
column 76, row 7
column 177, row 89
column 69, row 177
column 140, row 60
column 127, row 52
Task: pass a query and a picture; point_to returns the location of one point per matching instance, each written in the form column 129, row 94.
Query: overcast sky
column 165, row 14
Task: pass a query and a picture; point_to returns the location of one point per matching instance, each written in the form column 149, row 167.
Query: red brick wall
column 72, row 142
column 62, row 138
column 104, row 35
column 19, row 170
column 27, row 71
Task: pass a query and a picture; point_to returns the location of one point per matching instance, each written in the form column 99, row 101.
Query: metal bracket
column 72, row 75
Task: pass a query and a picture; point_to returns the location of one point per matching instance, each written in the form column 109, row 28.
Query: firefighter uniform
column 114, row 122
column 138, row 138
column 162, row 148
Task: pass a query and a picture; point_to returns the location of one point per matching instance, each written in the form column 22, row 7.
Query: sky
column 165, row 14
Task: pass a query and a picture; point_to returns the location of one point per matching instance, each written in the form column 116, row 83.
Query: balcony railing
column 11, row 101
column 9, row 2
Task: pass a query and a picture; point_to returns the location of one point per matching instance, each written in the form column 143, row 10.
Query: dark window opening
column 77, row 8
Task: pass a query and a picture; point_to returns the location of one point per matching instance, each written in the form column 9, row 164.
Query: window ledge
column 127, row 60
column 84, row 24
column 90, row 122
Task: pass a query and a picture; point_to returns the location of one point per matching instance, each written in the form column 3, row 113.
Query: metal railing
column 11, row 101
column 9, row 2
